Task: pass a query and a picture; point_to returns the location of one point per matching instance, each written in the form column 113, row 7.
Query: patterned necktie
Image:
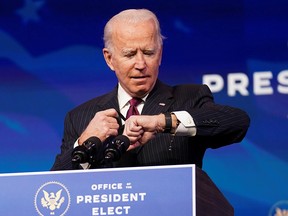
column 134, row 102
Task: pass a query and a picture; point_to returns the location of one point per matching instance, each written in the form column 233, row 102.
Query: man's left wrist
column 168, row 123
column 175, row 123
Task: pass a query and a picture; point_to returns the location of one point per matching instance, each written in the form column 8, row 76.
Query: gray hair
column 130, row 16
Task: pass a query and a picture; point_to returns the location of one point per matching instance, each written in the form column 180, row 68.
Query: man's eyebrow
column 124, row 51
column 129, row 51
column 149, row 49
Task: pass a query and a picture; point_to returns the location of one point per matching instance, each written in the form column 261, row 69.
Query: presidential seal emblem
column 279, row 209
column 52, row 198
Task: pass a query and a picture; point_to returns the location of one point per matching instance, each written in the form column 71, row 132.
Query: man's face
column 135, row 57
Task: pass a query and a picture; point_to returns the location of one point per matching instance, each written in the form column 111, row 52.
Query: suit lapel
column 110, row 101
column 159, row 100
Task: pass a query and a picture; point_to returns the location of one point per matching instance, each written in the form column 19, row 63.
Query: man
column 177, row 123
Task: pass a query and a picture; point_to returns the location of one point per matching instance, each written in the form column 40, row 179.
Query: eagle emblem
column 51, row 200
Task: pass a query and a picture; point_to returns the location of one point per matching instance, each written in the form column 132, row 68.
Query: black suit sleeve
column 217, row 125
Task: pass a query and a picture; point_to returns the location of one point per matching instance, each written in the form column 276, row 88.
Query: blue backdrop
column 51, row 61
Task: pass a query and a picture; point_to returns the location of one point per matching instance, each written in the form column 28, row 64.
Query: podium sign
column 141, row 191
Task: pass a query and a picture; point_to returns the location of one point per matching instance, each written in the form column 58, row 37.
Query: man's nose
column 140, row 61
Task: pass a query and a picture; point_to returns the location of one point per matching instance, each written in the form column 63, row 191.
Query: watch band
column 168, row 123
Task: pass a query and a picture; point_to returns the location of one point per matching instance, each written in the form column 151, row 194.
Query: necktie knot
column 134, row 102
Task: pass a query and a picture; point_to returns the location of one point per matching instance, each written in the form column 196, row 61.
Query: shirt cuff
column 187, row 126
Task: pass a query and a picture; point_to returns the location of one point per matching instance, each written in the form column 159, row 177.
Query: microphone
column 116, row 148
column 87, row 152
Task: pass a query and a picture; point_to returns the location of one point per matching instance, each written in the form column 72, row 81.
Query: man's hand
column 103, row 125
column 142, row 128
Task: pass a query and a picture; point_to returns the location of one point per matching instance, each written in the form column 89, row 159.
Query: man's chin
column 140, row 92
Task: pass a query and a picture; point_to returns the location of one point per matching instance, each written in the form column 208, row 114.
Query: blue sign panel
column 153, row 191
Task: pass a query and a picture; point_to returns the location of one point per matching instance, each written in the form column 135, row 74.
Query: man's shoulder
column 189, row 88
column 94, row 103
column 181, row 86
column 184, row 89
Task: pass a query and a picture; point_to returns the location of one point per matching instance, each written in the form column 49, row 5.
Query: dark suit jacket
column 217, row 126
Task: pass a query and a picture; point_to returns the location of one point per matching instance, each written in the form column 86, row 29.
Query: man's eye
column 129, row 55
column 149, row 53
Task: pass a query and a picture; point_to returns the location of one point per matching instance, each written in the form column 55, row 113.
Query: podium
column 209, row 199
column 183, row 190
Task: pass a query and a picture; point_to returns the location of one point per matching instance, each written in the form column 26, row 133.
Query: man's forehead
column 132, row 45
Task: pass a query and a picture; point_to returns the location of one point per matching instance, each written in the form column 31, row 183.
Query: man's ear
column 108, row 58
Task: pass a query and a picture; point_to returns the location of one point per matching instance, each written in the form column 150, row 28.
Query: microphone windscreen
column 123, row 141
